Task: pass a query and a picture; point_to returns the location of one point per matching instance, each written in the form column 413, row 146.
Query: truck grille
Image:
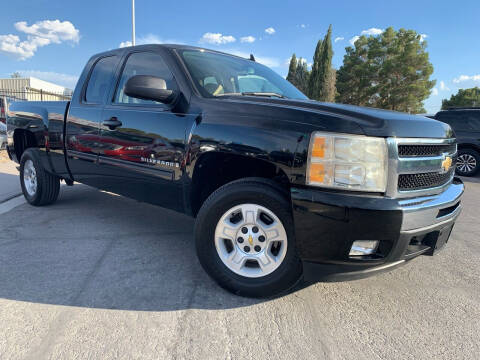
column 420, row 166
column 425, row 150
column 408, row 182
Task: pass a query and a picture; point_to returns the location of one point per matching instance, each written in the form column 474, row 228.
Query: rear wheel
column 468, row 162
column 38, row 186
column 245, row 239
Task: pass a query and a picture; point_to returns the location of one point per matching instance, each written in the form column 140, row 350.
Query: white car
column 3, row 136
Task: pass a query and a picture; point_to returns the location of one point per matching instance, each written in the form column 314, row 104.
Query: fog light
column 364, row 247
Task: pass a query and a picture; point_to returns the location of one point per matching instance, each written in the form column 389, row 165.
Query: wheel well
column 23, row 139
column 214, row 170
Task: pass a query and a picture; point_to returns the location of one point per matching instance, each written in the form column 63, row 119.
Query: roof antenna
column 252, row 57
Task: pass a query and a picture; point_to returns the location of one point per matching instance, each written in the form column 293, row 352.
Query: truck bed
column 39, row 124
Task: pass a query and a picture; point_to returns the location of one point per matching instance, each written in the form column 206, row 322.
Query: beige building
column 33, row 89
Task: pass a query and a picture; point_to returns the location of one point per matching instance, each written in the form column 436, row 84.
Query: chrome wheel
column 466, row 163
column 30, row 178
column 251, row 240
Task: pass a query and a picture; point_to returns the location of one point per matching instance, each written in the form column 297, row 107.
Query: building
column 33, row 89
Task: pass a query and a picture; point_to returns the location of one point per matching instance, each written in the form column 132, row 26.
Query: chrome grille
column 425, row 150
column 416, row 166
column 407, row 182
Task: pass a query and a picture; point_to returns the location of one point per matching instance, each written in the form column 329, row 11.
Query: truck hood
column 369, row 121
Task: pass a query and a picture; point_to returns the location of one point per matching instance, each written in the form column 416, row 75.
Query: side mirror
column 148, row 87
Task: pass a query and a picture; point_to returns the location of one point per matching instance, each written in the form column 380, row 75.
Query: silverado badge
column 446, row 163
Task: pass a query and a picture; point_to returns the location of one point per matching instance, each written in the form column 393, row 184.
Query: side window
column 473, row 119
column 462, row 121
column 100, row 79
column 143, row 63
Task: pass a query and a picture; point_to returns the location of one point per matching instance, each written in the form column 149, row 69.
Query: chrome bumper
column 427, row 211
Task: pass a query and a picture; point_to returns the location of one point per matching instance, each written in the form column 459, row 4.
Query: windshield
column 218, row 75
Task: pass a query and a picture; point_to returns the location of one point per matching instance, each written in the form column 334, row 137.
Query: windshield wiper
column 252, row 93
column 269, row 94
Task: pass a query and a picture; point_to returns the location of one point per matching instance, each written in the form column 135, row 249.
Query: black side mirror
column 148, row 87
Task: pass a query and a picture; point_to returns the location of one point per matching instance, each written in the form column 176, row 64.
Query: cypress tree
column 312, row 90
column 321, row 85
column 292, row 69
column 325, row 69
column 301, row 76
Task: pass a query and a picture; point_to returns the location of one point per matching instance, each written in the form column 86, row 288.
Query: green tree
column 313, row 91
column 302, row 75
column 463, row 98
column 292, row 69
column 298, row 73
column 325, row 73
column 391, row 71
column 322, row 85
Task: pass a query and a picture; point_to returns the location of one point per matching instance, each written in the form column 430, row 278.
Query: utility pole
column 133, row 22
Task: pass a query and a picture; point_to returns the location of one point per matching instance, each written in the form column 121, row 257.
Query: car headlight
column 349, row 162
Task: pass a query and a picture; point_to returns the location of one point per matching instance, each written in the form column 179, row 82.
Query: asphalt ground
column 100, row 276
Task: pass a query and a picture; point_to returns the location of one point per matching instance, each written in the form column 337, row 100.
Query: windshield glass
column 217, row 75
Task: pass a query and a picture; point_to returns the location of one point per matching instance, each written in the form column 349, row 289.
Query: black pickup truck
column 282, row 187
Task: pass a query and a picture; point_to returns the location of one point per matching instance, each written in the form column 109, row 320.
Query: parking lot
column 99, row 276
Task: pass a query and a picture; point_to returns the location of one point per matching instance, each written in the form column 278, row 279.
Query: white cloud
column 443, row 87
column 66, row 80
column 125, row 44
column 423, row 37
column 303, row 60
column 54, row 30
column 267, row 61
column 368, row 32
column 270, row 31
column 247, row 39
column 353, row 39
column 303, row 26
column 216, row 38
column 340, row 38
column 149, row 39
column 434, row 92
column 464, row 78
column 372, row 31
column 40, row 34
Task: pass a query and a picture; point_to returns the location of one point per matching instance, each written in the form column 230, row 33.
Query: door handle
column 112, row 123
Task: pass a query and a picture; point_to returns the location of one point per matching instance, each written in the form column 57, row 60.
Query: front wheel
column 245, row 239
column 38, row 186
column 468, row 162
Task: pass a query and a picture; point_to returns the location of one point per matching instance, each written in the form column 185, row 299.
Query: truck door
column 143, row 141
column 82, row 131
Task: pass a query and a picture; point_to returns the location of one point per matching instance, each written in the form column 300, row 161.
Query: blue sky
column 53, row 39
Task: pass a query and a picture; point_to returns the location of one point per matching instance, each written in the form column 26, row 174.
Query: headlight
column 351, row 162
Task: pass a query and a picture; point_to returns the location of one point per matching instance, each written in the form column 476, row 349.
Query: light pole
column 133, row 22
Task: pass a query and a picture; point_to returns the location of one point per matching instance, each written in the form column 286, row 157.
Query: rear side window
column 462, row 120
column 143, row 63
column 100, row 78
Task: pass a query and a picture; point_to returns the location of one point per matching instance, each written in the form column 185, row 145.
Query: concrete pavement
column 99, row 276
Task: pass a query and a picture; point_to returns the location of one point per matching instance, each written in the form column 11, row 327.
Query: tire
column 38, row 186
column 281, row 267
column 468, row 162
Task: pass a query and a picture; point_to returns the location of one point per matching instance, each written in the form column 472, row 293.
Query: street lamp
column 133, row 22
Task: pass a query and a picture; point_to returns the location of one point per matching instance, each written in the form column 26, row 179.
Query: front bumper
column 327, row 224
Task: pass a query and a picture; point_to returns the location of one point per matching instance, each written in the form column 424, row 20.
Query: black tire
column 255, row 191
column 468, row 154
column 48, row 185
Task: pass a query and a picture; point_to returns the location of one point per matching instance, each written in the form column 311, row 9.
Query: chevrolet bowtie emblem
column 250, row 239
column 447, row 163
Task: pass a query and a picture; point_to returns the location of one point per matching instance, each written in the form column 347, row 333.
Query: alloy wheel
column 251, row 240
column 30, row 177
column 466, row 163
